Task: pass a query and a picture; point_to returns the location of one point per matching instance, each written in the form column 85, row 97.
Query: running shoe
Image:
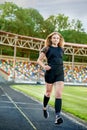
column 45, row 113
column 58, row 120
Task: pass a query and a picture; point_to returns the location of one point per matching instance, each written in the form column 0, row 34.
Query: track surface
column 20, row 112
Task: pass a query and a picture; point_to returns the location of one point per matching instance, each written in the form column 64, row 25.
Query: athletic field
column 74, row 98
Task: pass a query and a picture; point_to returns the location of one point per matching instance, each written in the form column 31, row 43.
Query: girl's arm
column 41, row 63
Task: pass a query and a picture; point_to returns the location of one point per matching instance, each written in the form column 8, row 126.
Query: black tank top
column 54, row 55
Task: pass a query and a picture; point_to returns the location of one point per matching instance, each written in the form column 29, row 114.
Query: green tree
column 48, row 27
column 7, row 15
column 74, row 36
column 62, row 22
column 31, row 23
column 19, row 20
column 76, row 25
column 36, row 21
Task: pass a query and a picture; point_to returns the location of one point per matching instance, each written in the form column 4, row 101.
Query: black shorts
column 55, row 74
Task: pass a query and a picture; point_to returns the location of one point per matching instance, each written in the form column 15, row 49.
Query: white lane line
column 7, row 107
column 35, row 104
column 21, row 103
column 24, row 115
column 7, row 102
column 26, row 108
column 21, row 112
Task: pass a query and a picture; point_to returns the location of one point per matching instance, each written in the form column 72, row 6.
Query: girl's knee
column 48, row 94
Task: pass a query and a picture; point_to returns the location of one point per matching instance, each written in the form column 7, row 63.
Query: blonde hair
column 48, row 39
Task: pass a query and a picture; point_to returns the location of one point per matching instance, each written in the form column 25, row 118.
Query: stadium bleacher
column 31, row 72
column 24, row 70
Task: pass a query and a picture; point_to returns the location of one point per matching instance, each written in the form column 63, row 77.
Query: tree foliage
column 31, row 23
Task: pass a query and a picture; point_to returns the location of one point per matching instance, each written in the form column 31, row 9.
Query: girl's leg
column 58, row 97
column 46, row 98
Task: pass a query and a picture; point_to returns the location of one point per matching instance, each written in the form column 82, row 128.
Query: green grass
column 74, row 98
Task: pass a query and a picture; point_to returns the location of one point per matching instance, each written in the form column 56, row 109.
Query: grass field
column 74, row 98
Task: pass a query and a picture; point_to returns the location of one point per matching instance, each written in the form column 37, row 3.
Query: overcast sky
column 75, row 9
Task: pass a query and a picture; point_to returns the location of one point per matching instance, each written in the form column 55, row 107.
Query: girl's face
column 55, row 39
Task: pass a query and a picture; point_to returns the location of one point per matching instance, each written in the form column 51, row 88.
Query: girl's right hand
column 47, row 67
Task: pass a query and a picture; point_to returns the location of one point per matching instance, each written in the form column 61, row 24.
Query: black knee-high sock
column 45, row 100
column 58, row 104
